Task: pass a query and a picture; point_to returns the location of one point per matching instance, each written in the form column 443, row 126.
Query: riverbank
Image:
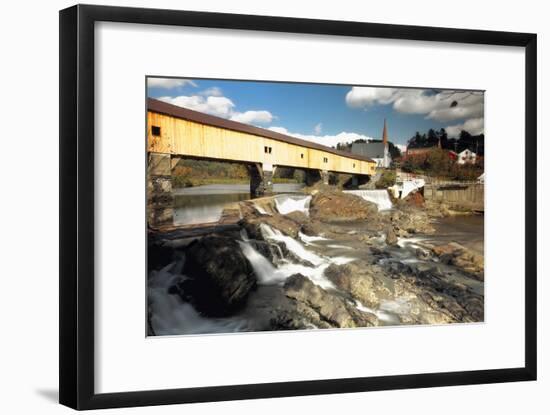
column 326, row 259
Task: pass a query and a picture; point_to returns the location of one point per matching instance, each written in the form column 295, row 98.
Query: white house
column 466, row 157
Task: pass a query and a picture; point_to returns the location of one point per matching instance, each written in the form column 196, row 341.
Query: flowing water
column 307, row 255
column 379, row 197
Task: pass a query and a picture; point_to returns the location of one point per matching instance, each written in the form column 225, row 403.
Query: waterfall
column 268, row 274
column 292, row 203
column 379, row 197
column 292, row 244
column 170, row 315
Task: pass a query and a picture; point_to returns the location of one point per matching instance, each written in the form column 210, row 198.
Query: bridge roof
column 161, row 107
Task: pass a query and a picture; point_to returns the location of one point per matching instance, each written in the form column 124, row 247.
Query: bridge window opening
column 353, row 165
column 155, row 130
column 267, row 150
column 302, row 155
column 325, row 159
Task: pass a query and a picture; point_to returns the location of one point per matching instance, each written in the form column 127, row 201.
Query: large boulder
column 461, row 257
column 359, row 283
column 322, row 308
column 159, row 254
column 339, row 206
column 411, row 221
column 252, row 225
column 391, row 237
column 218, row 276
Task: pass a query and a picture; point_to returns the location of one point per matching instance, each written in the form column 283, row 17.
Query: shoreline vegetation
column 192, row 173
column 320, row 259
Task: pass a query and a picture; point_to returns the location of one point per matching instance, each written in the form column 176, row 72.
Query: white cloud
column 326, row 140
column 168, row 83
column 360, row 97
column 212, row 91
column 219, row 106
column 253, row 117
column 467, row 106
column 318, row 128
column 443, row 106
column 474, row 126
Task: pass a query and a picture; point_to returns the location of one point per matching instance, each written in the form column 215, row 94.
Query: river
column 204, row 204
column 309, row 256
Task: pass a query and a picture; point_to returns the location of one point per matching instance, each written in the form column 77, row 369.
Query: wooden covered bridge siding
column 174, row 132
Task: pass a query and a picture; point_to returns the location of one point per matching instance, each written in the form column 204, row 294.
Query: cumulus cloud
column 326, row 140
column 474, row 126
column 443, row 106
column 253, row 117
column 219, row 106
column 168, row 83
column 360, row 97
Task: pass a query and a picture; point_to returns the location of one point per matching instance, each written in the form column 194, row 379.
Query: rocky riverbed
column 323, row 259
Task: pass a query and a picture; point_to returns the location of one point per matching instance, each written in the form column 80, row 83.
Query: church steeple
column 387, row 159
column 385, row 134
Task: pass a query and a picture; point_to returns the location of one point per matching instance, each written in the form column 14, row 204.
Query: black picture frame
column 76, row 279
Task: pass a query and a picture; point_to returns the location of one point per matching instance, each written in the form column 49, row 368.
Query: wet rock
column 422, row 254
column 412, row 221
column 219, row 277
column 414, row 199
column 299, row 217
column 336, row 206
column 252, row 225
column 159, row 254
column 314, row 228
column 320, row 307
column 461, row 257
column 359, row 284
column 391, row 237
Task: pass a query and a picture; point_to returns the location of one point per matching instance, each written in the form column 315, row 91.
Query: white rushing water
column 310, row 240
column 292, row 203
column 292, row 244
column 268, row 274
column 386, row 313
column 172, row 316
column 379, row 197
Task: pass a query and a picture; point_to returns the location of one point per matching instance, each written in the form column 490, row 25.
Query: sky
column 327, row 114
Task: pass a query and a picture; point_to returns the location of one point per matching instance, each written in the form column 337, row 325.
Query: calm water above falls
column 203, row 204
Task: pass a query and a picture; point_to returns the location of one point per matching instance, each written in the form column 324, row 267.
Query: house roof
column 371, row 150
column 154, row 105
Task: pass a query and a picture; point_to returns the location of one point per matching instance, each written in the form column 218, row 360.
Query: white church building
column 377, row 151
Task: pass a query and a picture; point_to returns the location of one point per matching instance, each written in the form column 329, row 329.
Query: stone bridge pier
column 313, row 176
column 160, row 200
column 261, row 179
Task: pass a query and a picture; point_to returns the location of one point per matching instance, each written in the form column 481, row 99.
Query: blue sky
column 326, row 114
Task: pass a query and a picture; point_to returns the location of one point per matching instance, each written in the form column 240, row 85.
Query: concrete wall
column 468, row 196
